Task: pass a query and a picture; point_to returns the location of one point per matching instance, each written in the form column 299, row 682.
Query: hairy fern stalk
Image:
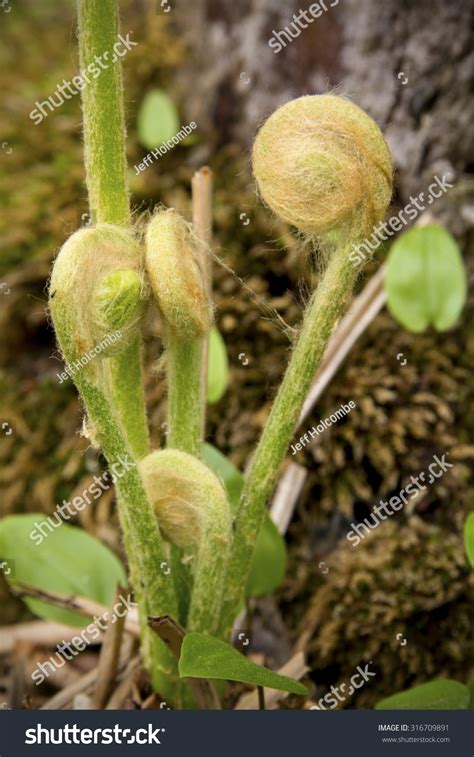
column 323, row 166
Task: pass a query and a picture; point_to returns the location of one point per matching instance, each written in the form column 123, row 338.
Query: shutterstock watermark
column 384, row 510
column 277, row 40
column 341, row 412
column 74, row 734
column 68, row 89
column 100, row 485
column 387, row 229
column 184, row 132
column 82, row 361
column 78, row 643
column 338, row 693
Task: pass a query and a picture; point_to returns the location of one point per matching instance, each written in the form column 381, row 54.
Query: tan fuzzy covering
column 175, row 276
column 323, row 165
column 186, row 495
column 98, row 273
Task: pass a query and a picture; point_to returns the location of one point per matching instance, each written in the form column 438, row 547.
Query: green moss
column 399, row 580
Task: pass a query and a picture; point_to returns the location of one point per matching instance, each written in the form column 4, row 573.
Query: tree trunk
column 409, row 65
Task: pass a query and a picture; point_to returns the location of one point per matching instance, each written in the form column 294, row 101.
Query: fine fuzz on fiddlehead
column 323, row 165
column 118, row 305
column 175, row 276
column 193, row 511
column 98, row 274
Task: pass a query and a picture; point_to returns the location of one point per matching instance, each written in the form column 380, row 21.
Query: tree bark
column 409, row 65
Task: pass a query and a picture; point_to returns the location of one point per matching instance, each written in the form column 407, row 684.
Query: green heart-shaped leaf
column 469, row 538
column 68, row 560
column 204, row 656
column 158, row 119
column 218, row 367
column 268, row 561
column 230, row 476
column 436, row 695
column 425, row 280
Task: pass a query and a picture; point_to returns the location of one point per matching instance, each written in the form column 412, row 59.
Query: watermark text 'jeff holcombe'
column 342, row 411
column 184, row 132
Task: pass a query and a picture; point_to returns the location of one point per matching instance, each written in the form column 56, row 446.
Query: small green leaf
column 469, row 538
column 158, row 119
column 436, row 695
column 269, row 559
column 218, row 367
column 231, row 477
column 425, row 280
column 204, row 656
column 68, row 560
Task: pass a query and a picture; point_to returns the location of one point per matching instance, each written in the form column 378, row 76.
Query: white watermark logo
column 68, row 89
column 313, row 432
column 384, row 510
column 387, row 229
column 341, row 693
column 184, row 132
column 100, row 485
column 71, row 733
column 280, row 39
column 85, row 359
column 78, row 643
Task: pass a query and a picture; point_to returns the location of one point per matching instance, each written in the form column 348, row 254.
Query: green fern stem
column 328, row 303
column 183, row 364
column 103, row 113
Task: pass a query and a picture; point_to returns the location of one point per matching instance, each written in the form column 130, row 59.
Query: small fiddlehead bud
column 96, row 289
column 193, row 512
column 188, row 497
column 175, row 275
